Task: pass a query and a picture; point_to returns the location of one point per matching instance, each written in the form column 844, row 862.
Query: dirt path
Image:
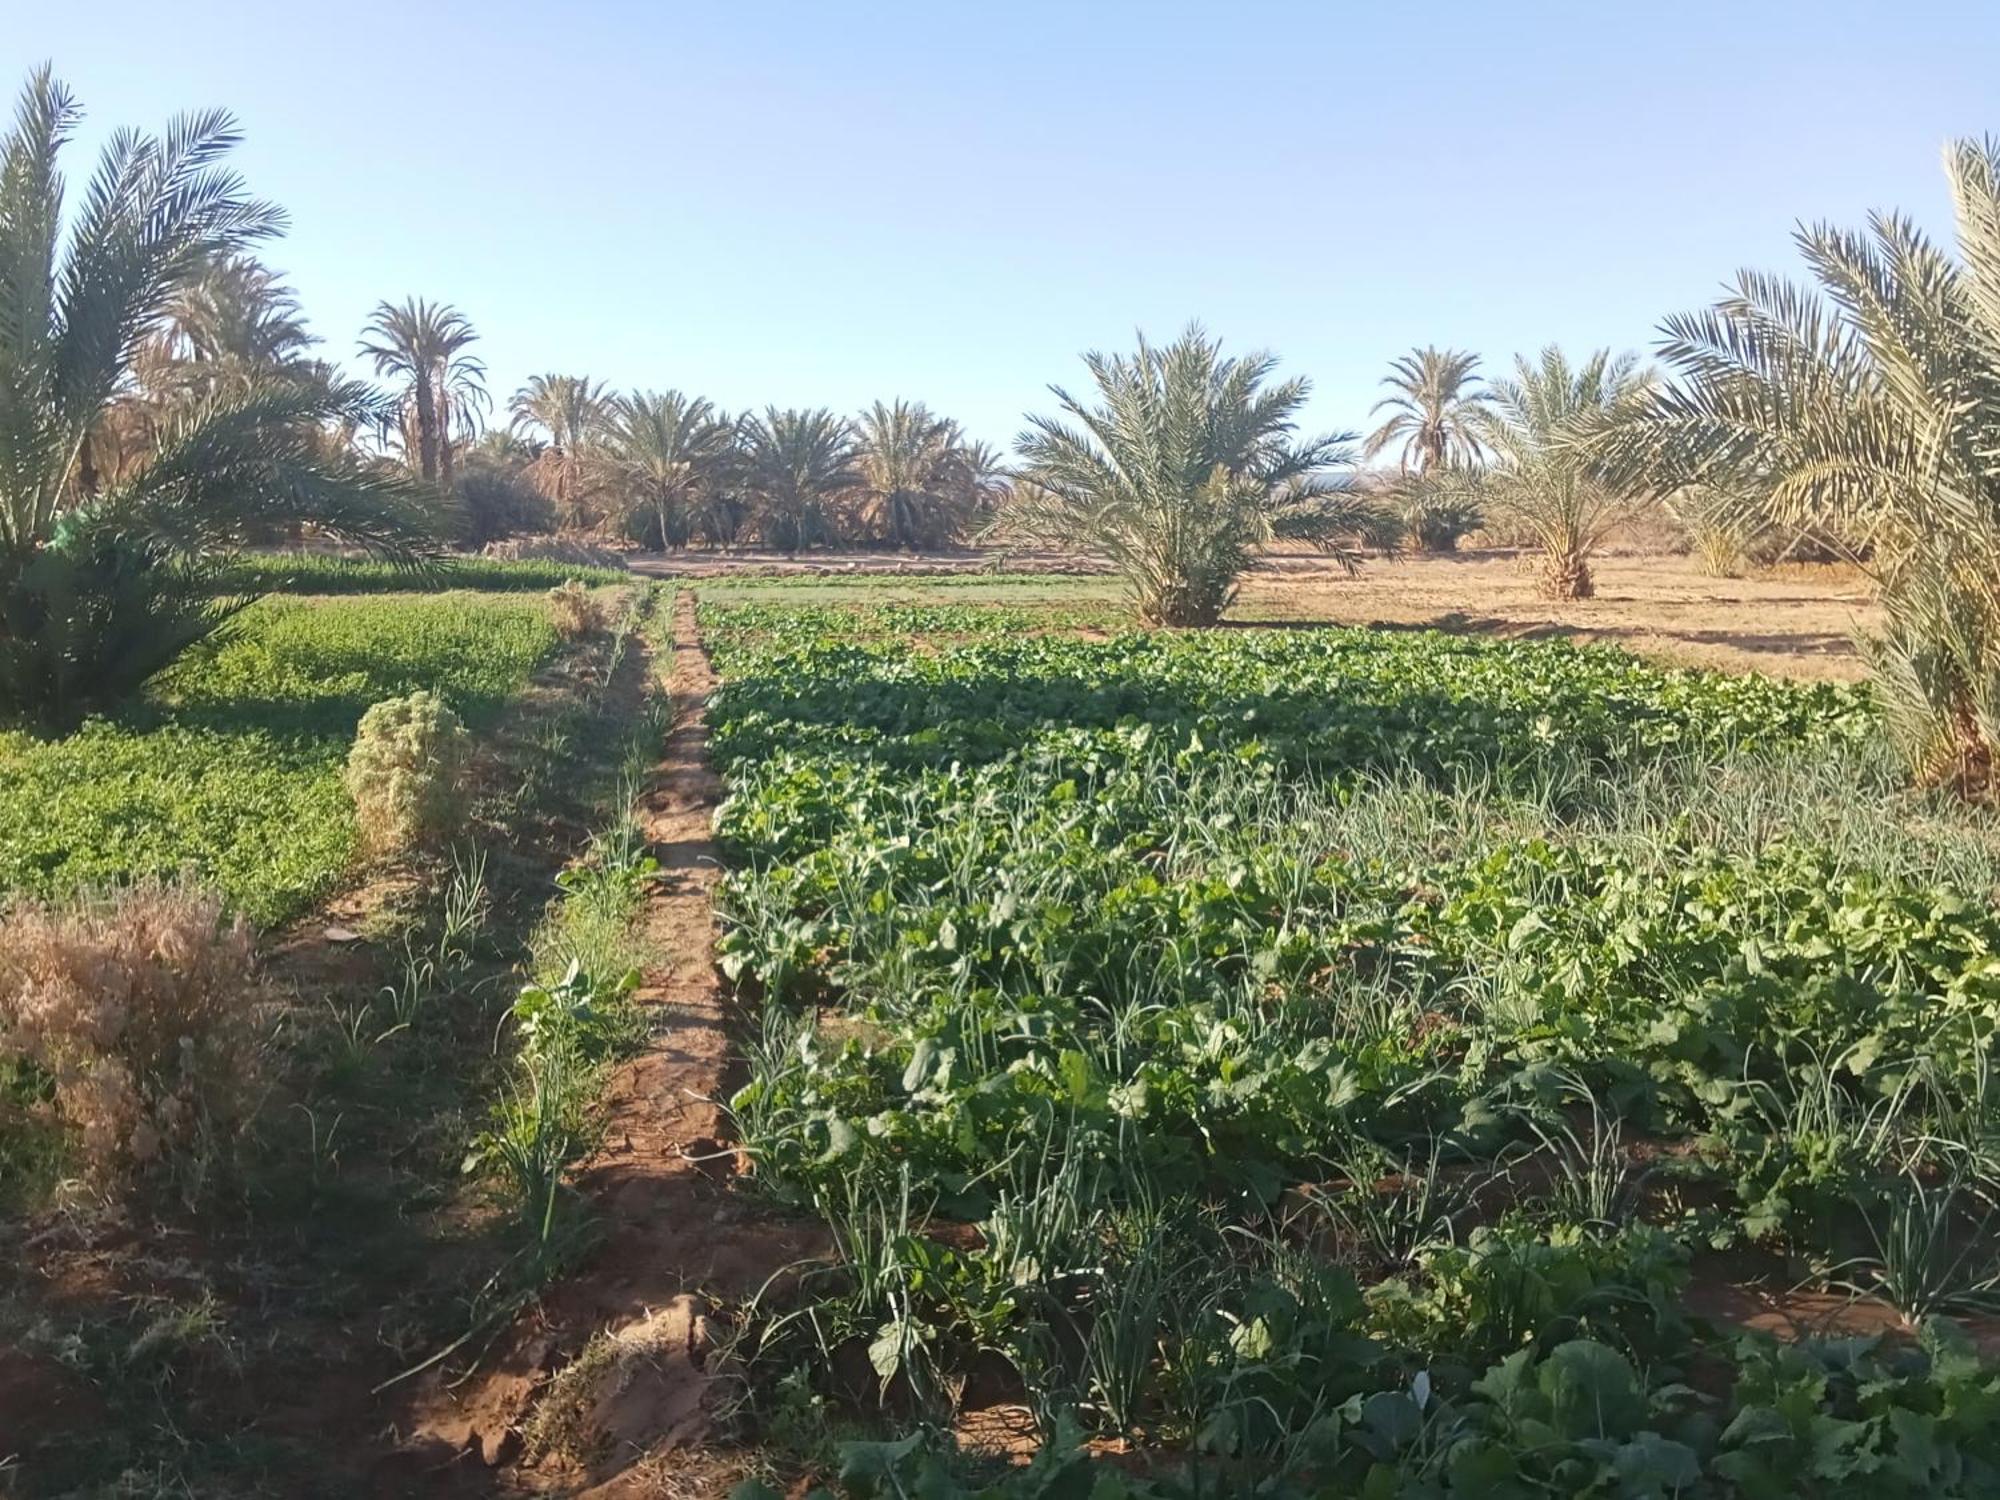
column 615, row 1372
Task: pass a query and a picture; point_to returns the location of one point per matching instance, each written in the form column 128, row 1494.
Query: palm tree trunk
column 427, row 429
column 447, row 465
column 1566, row 575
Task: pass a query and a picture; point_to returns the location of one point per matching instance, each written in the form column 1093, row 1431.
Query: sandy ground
column 1796, row 622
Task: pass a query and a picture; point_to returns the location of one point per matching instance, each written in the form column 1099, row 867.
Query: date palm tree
column 235, row 312
column 664, row 453
column 1867, row 410
column 566, row 411
column 422, row 345
column 799, row 465
column 1435, row 410
column 918, row 484
column 1188, row 463
column 103, row 584
column 1544, row 478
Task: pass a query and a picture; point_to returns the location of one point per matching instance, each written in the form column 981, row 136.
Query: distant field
column 317, row 573
column 1798, row 622
column 231, row 764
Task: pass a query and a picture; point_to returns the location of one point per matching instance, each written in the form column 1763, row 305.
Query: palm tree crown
column 1188, row 463
column 1544, row 476
column 422, row 345
column 665, row 453
column 1435, row 410
column 568, row 410
column 799, row 463
column 919, row 481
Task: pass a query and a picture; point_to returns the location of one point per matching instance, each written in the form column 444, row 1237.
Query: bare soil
column 1795, row 622
column 676, row 1243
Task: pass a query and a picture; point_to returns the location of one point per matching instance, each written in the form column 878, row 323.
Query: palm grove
column 162, row 404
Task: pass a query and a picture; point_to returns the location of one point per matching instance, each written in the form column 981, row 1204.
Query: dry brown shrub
column 407, row 773
column 137, row 1012
column 566, row 550
column 574, row 611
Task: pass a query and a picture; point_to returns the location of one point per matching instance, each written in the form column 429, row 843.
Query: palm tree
column 235, row 312
column 1187, row 466
column 1435, row 411
column 1867, row 410
column 1543, row 477
column 567, row 410
column 798, row 464
column 422, row 344
column 665, row 453
column 232, row 321
column 918, row 483
column 101, row 586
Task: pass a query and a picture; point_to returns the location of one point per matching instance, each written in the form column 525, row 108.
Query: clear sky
column 822, row 203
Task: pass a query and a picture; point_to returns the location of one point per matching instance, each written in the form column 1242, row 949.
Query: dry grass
column 134, row 1016
column 575, row 611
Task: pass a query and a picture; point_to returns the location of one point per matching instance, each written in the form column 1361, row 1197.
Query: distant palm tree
column 567, row 410
column 1435, row 411
column 101, row 584
column 1543, row 477
column 422, row 344
column 232, row 322
column 665, row 453
column 1187, row 466
column 919, row 485
column 799, row 464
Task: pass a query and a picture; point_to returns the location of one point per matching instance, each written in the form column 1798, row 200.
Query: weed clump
column 406, row 773
column 129, row 1020
column 574, row 611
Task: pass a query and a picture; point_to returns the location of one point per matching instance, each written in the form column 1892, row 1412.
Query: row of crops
column 1347, row 1062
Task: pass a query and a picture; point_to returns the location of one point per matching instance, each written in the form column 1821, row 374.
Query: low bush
column 574, row 611
column 406, row 773
column 130, row 1019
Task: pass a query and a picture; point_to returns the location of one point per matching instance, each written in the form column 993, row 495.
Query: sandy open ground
column 1797, row 622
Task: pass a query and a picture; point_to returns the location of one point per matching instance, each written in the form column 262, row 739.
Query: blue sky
column 824, row 203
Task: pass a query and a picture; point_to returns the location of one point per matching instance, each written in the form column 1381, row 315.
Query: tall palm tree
column 664, row 452
column 1544, row 477
column 422, row 345
column 1867, row 410
column 918, row 485
column 567, row 411
column 102, row 585
column 1434, row 412
column 1188, row 464
column 798, row 466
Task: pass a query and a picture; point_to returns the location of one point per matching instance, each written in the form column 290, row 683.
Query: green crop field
column 231, row 763
column 318, row 573
column 1358, row 1053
